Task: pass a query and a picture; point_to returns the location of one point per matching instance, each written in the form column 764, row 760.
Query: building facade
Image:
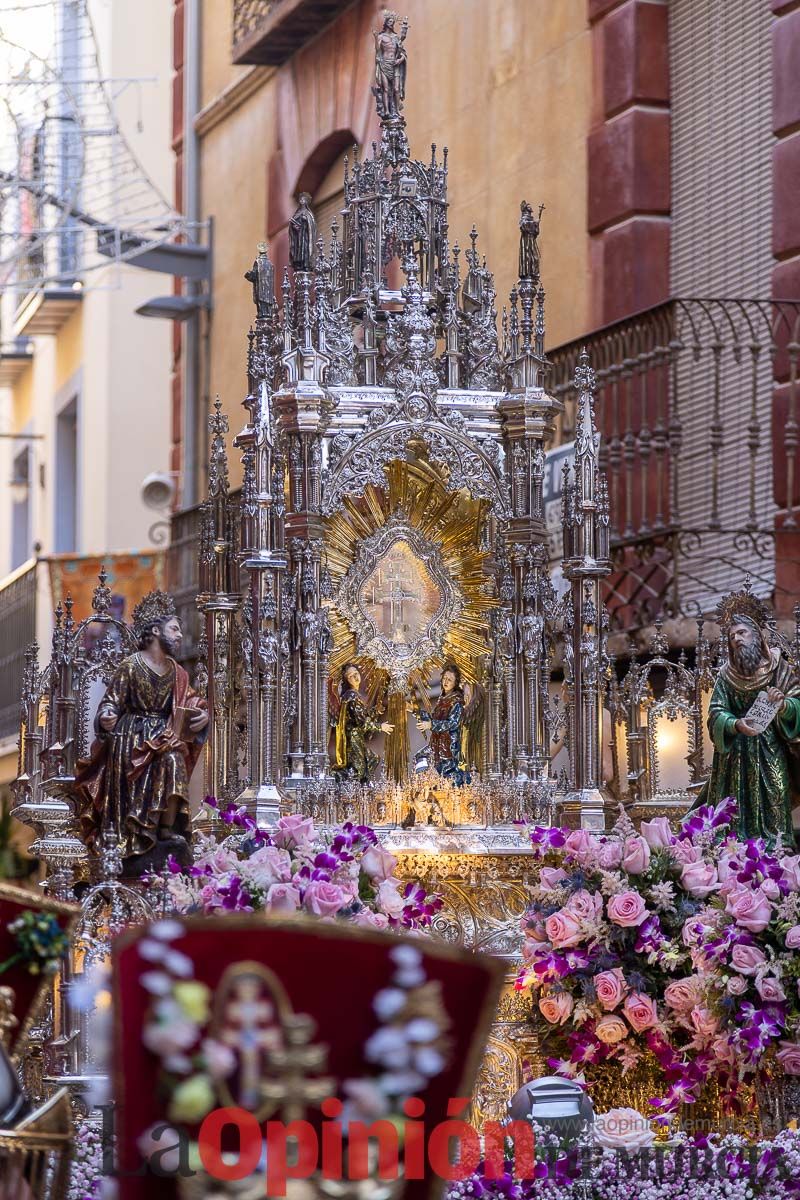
column 661, row 138
column 84, row 381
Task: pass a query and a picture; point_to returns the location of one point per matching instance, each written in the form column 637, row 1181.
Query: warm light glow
column 672, row 747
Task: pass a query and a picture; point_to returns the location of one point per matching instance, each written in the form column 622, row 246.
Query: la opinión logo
column 384, row 1149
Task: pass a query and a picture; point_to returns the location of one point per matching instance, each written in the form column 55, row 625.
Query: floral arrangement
column 86, row 1164
column 626, row 1168
column 41, row 942
column 291, row 867
column 679, row 945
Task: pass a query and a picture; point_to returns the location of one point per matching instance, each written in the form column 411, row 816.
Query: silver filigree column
column 219, row 601
column 263, row 557
column 528, row 415
column 586, row 563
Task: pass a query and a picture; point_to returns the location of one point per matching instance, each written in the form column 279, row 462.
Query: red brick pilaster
column 629, row 157
column 786, row 286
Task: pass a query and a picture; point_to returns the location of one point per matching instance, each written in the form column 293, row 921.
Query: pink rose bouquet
column 683, row 945
column 339, row 874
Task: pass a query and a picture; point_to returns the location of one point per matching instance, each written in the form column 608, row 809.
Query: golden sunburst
column 451, row 520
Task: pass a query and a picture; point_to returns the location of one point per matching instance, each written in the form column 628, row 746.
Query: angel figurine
column 452, row 725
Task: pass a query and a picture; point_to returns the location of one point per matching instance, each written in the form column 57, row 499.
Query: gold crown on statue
column 154, row 608
column 742, row 604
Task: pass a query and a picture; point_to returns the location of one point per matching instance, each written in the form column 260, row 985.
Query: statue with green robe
column 758, row 766
column 355, row 723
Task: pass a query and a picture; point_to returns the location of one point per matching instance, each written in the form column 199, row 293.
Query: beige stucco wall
column 505, row 84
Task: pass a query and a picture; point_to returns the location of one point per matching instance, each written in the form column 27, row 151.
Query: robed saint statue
column 150, row 727
column 354, row 725
column 760, row 768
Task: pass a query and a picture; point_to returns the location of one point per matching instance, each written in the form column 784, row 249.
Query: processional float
column 388, row 544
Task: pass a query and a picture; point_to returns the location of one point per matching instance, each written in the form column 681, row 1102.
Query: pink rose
column 747, row 959
column 556, row 1008
column 389, row 899
column 551, row 877
column 657, row 833
column 791, row 870
column 584, row 905
column 793, row 938
column 704, row 1022
column 323, row 899
column 581, row 845
column 378, row 863
column 267, row 865
column 736, row 985
column 769, row 989
column 770, row 889
column 293, row 831
column 609, row 856
column 789, row 1058
column 371, row 920
column 610, row 987
column 749, row 908
column 724, row 1052
column 684, row 852
column 563, row 929
column 699, row 879
column 623, row 1129
column 282, row 897
column 627, row 909
column 682, row 994
column 635, row 855
column 641, row 1011
column 611, row 1029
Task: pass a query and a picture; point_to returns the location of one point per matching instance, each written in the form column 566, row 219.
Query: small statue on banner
column 754, row 723
column 150, row 728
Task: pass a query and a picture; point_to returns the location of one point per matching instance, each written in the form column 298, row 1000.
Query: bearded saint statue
column 150, row 727
column 760, row 769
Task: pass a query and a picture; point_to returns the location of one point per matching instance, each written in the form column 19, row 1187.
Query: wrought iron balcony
column 268, row 32
column 685, row 405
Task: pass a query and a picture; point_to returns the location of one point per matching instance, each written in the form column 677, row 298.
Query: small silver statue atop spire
column 529, row 258
column 303, row 236
column 391, row 61
column 262, row 276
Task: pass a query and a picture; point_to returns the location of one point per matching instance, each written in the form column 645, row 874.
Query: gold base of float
column 485, row 894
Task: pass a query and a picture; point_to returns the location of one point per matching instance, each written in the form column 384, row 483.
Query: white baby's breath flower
column 179, row 964
column 428, row 1061
column 388, row 1002
column 406, row 956
column 157, row 983
column 152, row 951
column 421, row 1029
column 166, row 931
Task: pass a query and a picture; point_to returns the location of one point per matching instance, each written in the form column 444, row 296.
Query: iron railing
column 685, row 406
column 17, row 631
